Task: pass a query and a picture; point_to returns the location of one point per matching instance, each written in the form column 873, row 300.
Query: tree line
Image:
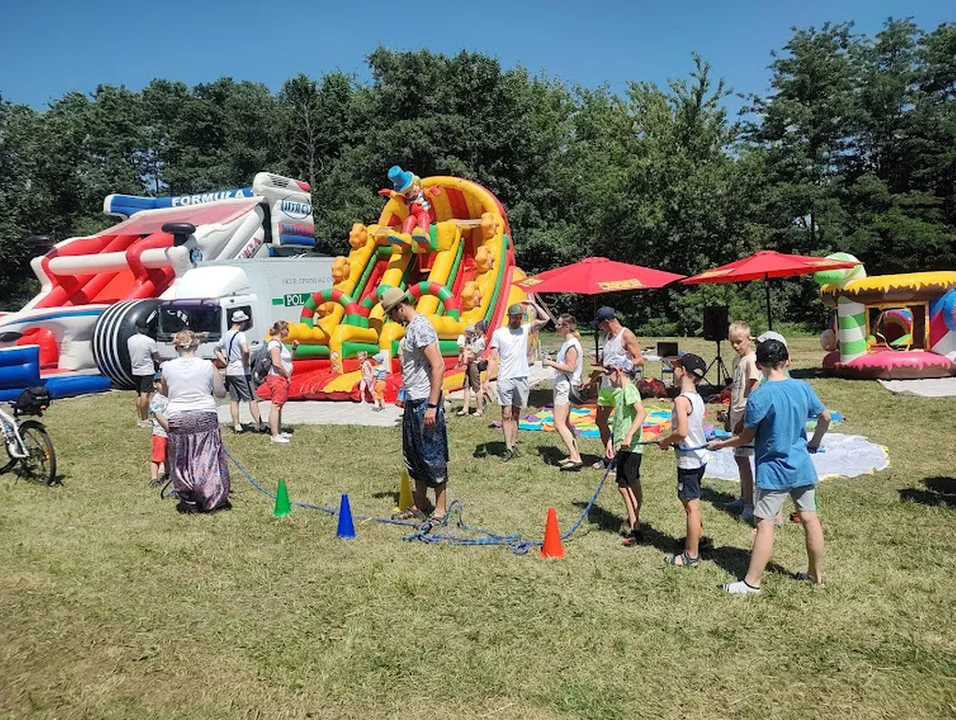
column 853, row 149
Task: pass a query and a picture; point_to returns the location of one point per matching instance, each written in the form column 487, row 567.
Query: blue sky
column 51, row 47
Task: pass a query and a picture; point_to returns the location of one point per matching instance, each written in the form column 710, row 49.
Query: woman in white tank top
column 568, row 365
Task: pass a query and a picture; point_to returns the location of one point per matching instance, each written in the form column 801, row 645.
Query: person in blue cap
column 408, row 186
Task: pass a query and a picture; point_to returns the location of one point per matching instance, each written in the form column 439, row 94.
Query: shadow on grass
column 540, row 398
column 812, row 373
column 939, row 491
column 732, row 560
column 489, row 449
column 604, row 519
column 553, row 454
column 717, row 499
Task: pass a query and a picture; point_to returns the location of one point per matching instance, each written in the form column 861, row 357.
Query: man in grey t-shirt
column 143, row 359
column 233, row 352
column 424, row 435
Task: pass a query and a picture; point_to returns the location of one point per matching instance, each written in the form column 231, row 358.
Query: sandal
column 461, row 413
column 685, row 560
column 572, row 467
column 412, row 513
column 635, row 538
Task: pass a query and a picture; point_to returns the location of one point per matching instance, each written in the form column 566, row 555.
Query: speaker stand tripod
column 721, row 368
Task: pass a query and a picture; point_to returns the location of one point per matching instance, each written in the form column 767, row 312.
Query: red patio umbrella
column 595, row 276
column 764, row 265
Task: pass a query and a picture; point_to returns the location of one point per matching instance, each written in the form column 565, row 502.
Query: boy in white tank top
column 687, row 437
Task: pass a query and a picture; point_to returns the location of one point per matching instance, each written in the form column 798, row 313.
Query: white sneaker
column 287, row 436
column 237, row 428
column 279, row 439
column 741, row 588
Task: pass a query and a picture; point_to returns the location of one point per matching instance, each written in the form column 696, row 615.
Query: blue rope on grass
column 424, row 532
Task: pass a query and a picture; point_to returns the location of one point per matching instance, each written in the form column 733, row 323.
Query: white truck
column 205, row 297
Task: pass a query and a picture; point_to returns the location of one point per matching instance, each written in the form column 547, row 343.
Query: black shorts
column 688, row 482
column 628, row 468
column 144, row 383
column 239, row 387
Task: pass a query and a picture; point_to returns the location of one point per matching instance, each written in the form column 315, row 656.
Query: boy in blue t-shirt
column 776, row 419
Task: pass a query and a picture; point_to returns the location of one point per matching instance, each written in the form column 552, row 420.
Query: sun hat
column 239, row 316
column 392, row 298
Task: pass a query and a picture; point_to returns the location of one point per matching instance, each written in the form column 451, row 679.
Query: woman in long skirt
column 197, row 459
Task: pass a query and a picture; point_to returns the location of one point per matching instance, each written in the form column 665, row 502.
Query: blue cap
column 401, row 179
column 603, row 315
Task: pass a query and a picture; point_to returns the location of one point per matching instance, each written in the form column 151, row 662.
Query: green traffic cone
column 282, row 507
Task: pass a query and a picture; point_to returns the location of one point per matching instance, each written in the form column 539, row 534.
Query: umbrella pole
column 597, row 357
column 766, row 285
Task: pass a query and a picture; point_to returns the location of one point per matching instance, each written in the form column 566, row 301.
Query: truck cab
column 267, row 290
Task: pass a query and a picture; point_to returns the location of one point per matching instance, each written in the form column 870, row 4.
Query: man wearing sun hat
column 424, row 434
column 509, row 363
column 232, row 351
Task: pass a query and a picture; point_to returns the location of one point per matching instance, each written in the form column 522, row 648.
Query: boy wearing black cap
column 775, row 421
column 690, row 443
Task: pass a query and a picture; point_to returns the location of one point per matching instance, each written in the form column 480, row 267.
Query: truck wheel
column 113, row 328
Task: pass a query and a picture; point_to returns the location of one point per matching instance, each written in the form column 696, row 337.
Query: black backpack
column 32, row 401
column 261, row 364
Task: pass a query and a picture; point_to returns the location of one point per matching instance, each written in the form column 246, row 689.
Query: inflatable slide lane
column 141, row 258
column 460, row 269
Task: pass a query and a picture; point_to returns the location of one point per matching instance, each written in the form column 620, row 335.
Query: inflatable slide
column 460, row 269
column 157, row 241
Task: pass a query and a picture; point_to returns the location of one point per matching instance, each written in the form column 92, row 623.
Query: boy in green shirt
column 629, row 414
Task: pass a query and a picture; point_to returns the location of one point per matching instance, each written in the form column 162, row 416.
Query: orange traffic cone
column 552, row 546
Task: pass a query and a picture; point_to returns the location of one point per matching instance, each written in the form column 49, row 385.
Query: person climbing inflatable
column 420, row 214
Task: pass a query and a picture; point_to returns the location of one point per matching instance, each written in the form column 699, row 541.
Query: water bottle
column 400, row 398
column 10, row 436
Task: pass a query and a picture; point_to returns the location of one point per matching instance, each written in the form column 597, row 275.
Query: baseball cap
column 773, row 335
column 392, row 298
column 603, row 315
column 623, row 364
column 515, row 309
column 771, row 351
column 239, row 316
column 694, row 364
column 470, row 329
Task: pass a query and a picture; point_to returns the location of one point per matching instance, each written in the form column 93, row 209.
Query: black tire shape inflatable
column 114, row 327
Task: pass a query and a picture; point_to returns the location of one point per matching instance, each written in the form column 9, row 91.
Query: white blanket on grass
column 843, row 456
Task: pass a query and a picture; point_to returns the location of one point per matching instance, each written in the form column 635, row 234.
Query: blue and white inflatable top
column 289, row 203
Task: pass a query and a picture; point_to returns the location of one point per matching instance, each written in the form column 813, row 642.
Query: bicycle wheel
column 40, row 464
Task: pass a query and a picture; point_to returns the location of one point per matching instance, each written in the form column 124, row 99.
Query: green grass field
column 114, row 606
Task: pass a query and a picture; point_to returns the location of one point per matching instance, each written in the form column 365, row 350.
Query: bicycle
column 28, row 445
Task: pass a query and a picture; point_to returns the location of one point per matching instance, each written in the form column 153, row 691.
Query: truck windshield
column 198, row 317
